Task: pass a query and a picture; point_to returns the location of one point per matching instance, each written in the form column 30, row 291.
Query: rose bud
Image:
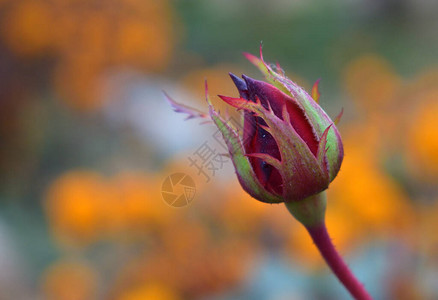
column 289, row 149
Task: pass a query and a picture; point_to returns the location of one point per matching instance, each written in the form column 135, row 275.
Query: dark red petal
column 268, row 93
column 240, row 85
column 263, row 142
column 268, row 176
column 249, row 130
column 302, row 126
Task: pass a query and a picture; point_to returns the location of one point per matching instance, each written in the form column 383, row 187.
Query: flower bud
column 289, row 149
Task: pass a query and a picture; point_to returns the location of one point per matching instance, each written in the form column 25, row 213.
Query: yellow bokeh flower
column 74, row 206
column 27, row 27
column 137, row 207
column 368, row 195
column 422, row 139
column 83, row 206
column 85, row 39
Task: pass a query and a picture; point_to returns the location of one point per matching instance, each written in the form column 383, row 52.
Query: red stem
column 324, row 244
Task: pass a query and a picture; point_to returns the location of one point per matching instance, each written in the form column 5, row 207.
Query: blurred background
column 87, row 140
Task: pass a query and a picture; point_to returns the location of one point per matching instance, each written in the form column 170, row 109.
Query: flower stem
column 325, row 246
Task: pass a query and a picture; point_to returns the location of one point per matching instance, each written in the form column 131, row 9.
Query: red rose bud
column 289, row 149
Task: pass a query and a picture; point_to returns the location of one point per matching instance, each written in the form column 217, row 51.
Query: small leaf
column 181, row 108
column 338, row 117
column 315, row 91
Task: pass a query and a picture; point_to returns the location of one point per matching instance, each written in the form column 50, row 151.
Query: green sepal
column 244, row 171
column 309, row 211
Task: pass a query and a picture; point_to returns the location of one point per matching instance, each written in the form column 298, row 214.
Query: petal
column 241, row 86
column 277, row 100
column 301, row 173
column 263, row 142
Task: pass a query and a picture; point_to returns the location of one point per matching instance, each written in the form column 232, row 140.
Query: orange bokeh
column 88, row 38
column 422, row 138
column 154, row 291
column 83, row 161
column 70, row 280
column 371, row 82
column 363, row 190
column 83, row 206
column 74, row 206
